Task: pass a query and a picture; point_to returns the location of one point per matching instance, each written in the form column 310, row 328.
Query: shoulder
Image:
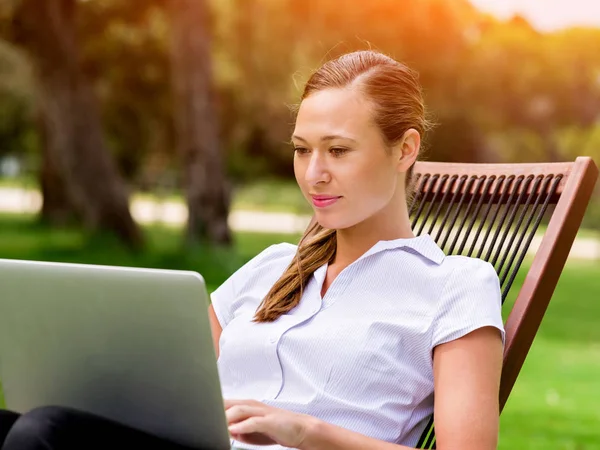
column 461, row 262
column 273, row 256
column 277, row 251
column 467, row 269
column 426, row 266
column 471, row 287
column 471, row 299
column 251, row 282
column 265, row 267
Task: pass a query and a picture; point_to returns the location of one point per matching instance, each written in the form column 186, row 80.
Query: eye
column 301, row 150
column 338, row 151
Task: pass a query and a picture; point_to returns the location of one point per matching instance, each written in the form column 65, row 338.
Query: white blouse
column 361, row 356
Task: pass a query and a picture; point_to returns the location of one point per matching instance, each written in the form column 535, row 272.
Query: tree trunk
column 197, row 125
column 75, row 146
column 56, row 207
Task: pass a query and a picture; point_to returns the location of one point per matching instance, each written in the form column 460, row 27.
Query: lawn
column 554, row 404
column 21, row 237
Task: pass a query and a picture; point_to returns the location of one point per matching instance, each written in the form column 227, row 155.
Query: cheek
column 374, row 195
column 299, row 174
column 374, row 181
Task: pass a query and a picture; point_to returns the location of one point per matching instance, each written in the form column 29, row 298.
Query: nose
column 317, row 170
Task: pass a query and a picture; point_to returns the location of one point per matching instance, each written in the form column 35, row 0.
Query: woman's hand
column 255, row 423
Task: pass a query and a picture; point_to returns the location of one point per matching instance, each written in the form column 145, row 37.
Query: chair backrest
column 494, row 212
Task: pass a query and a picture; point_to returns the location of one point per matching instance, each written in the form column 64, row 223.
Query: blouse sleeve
column 224, row 297
column 471, row 300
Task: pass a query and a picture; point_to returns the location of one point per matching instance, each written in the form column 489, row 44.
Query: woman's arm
column 467, row 379
column 467, row 384
column 215, row 328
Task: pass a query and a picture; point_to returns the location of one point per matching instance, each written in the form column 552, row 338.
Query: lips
column 323, row 201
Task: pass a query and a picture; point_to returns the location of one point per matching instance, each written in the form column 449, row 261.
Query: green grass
column 554, row 404
column 26, row 182
column 22, row 237
column 582, row 233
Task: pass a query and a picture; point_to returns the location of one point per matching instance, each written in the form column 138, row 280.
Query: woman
column 341, row 342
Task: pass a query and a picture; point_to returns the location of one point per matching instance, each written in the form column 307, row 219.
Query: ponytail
column 317, row 247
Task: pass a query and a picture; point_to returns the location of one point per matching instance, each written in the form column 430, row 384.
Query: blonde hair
column 396, row 95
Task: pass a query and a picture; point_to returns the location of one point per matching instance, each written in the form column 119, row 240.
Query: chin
column 332, row 221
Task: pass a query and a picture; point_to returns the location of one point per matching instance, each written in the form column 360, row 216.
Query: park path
column 172, row 213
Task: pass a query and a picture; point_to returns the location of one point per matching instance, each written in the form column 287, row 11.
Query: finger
column 252, row 425
column 254, row 439
column 238, row 413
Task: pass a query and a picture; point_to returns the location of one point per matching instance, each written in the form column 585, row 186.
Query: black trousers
column 57, row 428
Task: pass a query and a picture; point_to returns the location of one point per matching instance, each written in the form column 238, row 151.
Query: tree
column 17, row 136
column 197, row 125
column 76, row 156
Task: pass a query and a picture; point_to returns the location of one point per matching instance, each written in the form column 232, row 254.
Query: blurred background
column 155, row 133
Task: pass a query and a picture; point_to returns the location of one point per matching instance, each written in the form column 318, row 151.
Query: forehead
column 335, row 111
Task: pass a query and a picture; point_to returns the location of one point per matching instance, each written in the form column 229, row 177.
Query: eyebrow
column 330, row 137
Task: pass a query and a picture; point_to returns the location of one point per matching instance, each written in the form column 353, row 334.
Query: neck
column 353, row 242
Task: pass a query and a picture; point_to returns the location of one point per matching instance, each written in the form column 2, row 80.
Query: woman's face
column 341, row 161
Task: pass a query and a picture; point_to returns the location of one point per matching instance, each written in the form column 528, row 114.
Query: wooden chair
column 493, row 211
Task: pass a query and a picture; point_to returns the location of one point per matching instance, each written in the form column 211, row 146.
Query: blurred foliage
column 125, row 50
column 271, row 195
column 499, row 90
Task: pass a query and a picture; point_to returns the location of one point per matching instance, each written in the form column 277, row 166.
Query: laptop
column 131, row 345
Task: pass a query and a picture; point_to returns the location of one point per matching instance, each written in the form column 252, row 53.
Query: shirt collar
column 423, row 244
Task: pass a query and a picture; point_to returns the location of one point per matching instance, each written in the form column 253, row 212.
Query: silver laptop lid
column 133, row 345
